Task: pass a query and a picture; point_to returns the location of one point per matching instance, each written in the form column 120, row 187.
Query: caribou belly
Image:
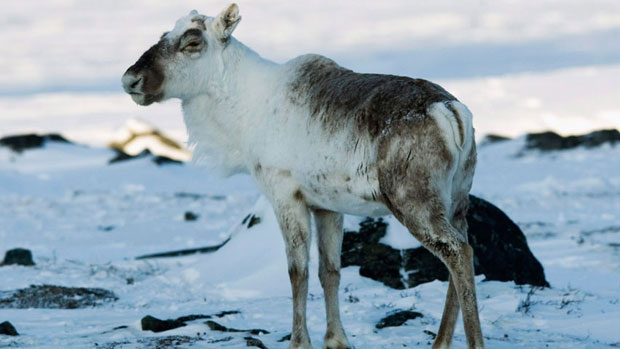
column 343, row 193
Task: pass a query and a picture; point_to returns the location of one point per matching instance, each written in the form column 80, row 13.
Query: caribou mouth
column 145, row 98
column 140, row 98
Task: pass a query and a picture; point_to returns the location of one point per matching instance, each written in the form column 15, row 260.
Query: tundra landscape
column 113, row 238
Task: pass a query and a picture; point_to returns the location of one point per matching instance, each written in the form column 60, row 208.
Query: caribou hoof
column 336, row 342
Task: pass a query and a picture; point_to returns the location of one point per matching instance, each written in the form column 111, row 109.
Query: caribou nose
column 132, row 83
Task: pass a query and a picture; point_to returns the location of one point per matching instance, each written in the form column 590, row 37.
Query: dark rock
column 190, row 216
column 55, row 297
column 164, row 160
column 377, row 263
column 189, row 251
column 7, row 329
column 150, row 323
column 500, row 249
column 166, row 342
column 430, row 333
column 18, row 256
column 251, row 220
column 491, row 138
column 422, row 267
column 226, row 312
column 214, row 326
column 193, row 317
column 285, row 338
column 19, row 143
column 159, row 160
column 254, row 342
column 376, row 260
column 157, row 342
column 153, row 324
column 398, row 318
column 548, row 141
column 122, row 156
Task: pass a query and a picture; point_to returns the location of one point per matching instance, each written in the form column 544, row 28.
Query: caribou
column 321, row 140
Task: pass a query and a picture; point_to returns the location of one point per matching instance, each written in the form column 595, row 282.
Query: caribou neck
column 217, row 120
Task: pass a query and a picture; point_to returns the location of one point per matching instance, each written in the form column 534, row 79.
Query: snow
column 60, row 198
column 519, row 66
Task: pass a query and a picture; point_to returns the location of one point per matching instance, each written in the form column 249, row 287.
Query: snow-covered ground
column 85, row 221
column 520, row 66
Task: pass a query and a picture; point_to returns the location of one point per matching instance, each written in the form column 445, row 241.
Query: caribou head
column 184, row 61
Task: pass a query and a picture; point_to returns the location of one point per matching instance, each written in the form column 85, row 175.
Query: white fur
column 242, row 117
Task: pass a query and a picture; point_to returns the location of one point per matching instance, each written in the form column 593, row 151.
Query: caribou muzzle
column 144, row 80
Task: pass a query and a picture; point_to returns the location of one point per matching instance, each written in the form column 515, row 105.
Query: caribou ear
column 226, row 22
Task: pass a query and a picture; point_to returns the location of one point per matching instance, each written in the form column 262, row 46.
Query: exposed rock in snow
column 549, row 140
column 159, row 159
column 254, row 342
column 18, row 256
column 136, row 136
column 500, row 250
column 7, row 329
column 214, row 326
column 55, row 297
column 153, row 324
column 493, row 138
column 190, row 216
column 398, row 318
column 19, row 143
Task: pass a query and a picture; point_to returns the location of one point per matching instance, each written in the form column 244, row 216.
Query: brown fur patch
column 298, row 195
column 200, row 23
column 149, row 68
column 338, row 96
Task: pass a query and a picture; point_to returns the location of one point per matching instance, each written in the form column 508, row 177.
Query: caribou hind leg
column 452, row 306
column 430, row 226
column 448, row 319
column 330, row 233
column 422, row 191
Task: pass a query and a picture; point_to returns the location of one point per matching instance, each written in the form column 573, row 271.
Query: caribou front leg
column 329, row 231
column 294, row 219
column 293, row 216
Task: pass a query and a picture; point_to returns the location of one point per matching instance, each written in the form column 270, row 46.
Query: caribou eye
column 192, row 45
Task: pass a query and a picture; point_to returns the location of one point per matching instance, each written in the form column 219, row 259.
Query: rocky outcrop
column 493, row 138
column 153, row 324
column 500, row 249
column 139, row 137
column 56, row 297
column 214, row 326
column 548, row 141
column 18, row 256
column 19, row 143
column 7, row 329
column 157, row 159
column 398, row 318
column 254, row 342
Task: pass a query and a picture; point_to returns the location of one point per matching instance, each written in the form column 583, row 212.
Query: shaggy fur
column 321, row 140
